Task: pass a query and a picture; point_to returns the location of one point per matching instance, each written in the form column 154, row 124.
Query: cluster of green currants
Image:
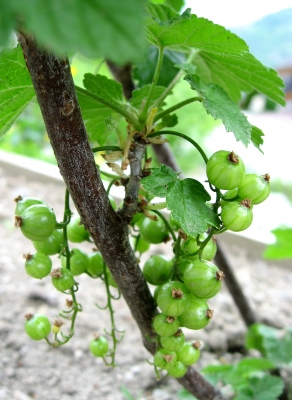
column 225, row 170
column 183, row 287
column 37, row 222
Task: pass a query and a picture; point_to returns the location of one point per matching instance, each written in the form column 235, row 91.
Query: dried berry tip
column 232, row 157
column 197, row 344
column 246, row 203
column 267, row 177
column 17, row 199
column 176, row 293
column 219, row 275
column 170, row 320
column 27, row 256
column 209, row 313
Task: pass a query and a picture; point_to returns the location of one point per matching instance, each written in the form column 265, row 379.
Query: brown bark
column 57, row 98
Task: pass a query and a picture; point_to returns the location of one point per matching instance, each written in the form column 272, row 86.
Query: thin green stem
column 166, row 223
column 169, row 110
column 173, row 82
column 174, row 133
column 129, row 117
column 103, row 148
column 144, row 112
column 111, row 310
column 156, row 206
column 110, row 186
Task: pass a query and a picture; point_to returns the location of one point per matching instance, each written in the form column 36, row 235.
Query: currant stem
column 174, row 133
column 173, row 82
column 166, row 223
column 177, row 106
column 157, row 206
column 144, row 113
column 129, row 117
column 103, row 148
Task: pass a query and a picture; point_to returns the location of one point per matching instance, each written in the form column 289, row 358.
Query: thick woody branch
column 57, row 98
column 56, row 95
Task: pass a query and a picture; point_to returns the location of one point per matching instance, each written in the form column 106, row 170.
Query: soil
column 34, row 370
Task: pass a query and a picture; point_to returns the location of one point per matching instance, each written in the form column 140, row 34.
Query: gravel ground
column 33, row 370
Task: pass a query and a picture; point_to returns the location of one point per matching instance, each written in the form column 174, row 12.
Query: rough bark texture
column 56, row 95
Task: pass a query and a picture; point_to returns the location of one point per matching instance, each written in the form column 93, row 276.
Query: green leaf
column 145, row 69
column 189, row 68
column 240, row 74
column 183, row 394
column 176, row 5
column 157, row 182
column 95, row 113
column 104, row 87
column 215, row 373
column 16, row 90
column 275, row 344
column 256, row 137
column 167, row 28
column 282, row 248
column 186, row 199
column 255, row 336
column 220, row 106
column 111, row 28
column 266, row 387
column 140, row 95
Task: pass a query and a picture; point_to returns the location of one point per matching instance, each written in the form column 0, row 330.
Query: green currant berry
column 237, row 215
column 37, row 265
column 141, row 246
column 95, row 264
column 197, row 315
column 225, row 170
column 24, row 202
column 165, row 325
column 79, row 262
column 52, row 245
column 203, row 279
column 191, row 245
column 157, row 269
column 153, row 231
column 255, row 187
column 37, row 222
column 62, row 279
column 177, row 370
column 181, row 267
column 76, row 231
column 174, row 342
column 99, row 346
column 37, row 326
column 189, row 353
column 137, row 219
column 172, row 299
column 164, row 359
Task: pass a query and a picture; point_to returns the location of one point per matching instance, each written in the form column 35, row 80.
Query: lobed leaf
column 282, row 248
column 166, row 28
column 157, row 183
column 186, row 199
column 256, row 137
column 110, row 28
column 240, row 74
column 140, row 95
column 264, row 387
column 16, row 90
column 220, row 106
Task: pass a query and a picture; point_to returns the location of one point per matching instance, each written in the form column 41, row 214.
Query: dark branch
column 56, row 95
column 234, row 288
